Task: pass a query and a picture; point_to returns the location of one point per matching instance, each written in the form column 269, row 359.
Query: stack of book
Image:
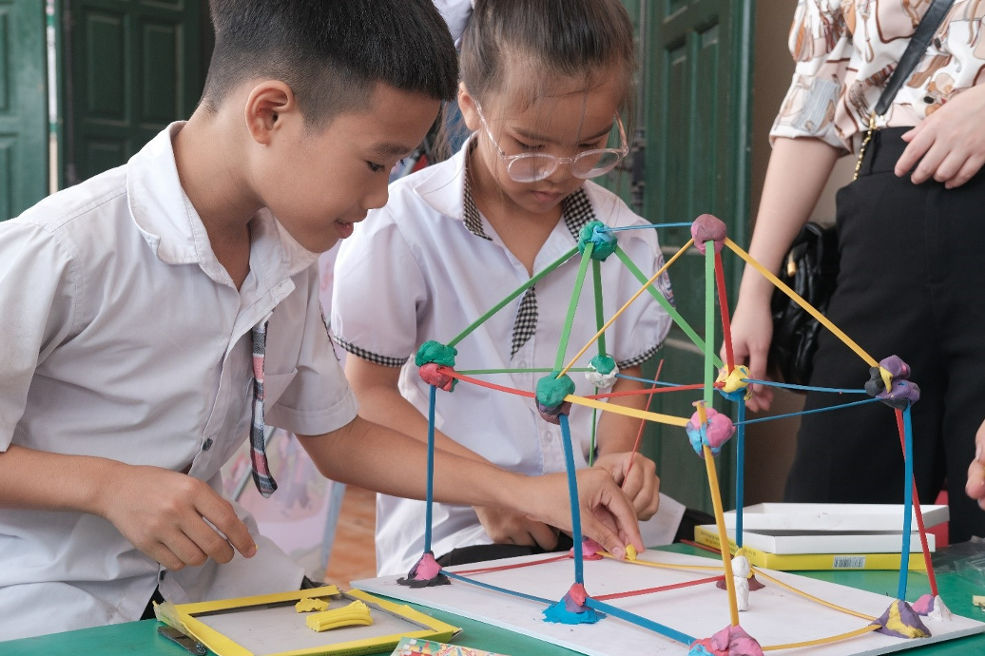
column 807, row 536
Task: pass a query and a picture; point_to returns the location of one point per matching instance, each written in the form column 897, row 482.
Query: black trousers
column 911, row 283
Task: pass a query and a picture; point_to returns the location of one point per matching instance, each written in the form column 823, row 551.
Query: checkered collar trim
column 471, row 213
column 577, row 212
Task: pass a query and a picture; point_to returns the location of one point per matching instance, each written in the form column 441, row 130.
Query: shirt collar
column 576, row 209
column 172, row 227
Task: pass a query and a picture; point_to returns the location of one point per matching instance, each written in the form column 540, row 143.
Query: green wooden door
column 134, row 66
column 23, row 106
column 696, row 75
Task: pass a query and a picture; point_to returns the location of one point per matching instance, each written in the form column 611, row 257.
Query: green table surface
column 141, row 637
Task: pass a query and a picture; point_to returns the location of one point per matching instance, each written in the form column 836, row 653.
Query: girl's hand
column 975, row 487
column 606, row 515
column 508, row 527
column 636, row 476
column 948, row 145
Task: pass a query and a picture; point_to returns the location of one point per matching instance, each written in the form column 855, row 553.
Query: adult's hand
column 975, row 486
column 948, row 145
column 752, row 332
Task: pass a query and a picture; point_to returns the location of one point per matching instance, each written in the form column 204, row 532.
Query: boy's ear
column 268, row 103
column 466, row 103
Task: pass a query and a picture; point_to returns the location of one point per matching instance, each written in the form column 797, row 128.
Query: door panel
column 135, row 66
column 696, row 61
column 23, row 106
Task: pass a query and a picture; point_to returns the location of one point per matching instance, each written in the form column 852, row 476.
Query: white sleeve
column 39, row 283
column 456, row 14
column 821, row 46
column 378, row 291
column 318, row 398
column 646, row 322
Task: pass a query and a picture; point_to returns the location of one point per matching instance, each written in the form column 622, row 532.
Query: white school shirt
column 123, row 337
column 422, row 268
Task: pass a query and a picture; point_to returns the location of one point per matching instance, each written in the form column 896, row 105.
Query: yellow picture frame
column 262, row 625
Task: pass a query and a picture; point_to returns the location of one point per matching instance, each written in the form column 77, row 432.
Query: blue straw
column 648, row 227
column 904, row 560
column 459, row 577
column 807, row 412
column 740, row 468
column 647, row 380
column 804, row 388
column 633, row 618
column 430, row 492
column 569, row 460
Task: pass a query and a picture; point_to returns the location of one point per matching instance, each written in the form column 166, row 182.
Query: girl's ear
column 466, row 103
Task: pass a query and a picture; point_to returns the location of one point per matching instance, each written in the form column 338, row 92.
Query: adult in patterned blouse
column 910, row 233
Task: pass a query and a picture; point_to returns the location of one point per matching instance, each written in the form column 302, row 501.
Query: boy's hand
column 175, row 519
column 509, row 527
column 606, row 515
column 948, row 145
column 975, row 487
column 636, row 475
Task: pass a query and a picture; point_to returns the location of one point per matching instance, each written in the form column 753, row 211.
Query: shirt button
column 207, row 444
column 937, row 43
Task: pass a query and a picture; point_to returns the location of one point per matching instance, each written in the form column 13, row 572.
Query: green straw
column 599, row 310
column 670, row 309
column 499, row 306
column 573, row 306
column 709, row 323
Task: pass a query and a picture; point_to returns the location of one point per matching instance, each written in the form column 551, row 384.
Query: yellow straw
column 716, row 501
column 810, row 309
column 823, row 641
column 626, row 305
column 818, row 600
column 626, row 410
column 673, row 566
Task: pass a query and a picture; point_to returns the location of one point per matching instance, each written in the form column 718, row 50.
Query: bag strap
column 931, row 20
column 915, row 49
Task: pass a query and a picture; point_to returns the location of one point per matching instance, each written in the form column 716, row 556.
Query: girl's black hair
column 331, row 52
column 557, row 38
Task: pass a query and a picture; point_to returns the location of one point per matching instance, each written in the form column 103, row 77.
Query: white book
column 822, row 517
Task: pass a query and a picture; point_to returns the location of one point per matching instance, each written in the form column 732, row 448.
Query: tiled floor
column 353, row 555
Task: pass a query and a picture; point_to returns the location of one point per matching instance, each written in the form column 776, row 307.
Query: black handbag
column 811, row 265
column 810, row 269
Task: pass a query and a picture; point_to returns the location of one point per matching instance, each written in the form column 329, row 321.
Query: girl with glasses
column 543, row 87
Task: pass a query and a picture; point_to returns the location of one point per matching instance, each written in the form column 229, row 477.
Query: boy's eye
column 374, row 167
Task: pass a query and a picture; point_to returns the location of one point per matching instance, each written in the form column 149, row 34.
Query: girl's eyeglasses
column 532, row 167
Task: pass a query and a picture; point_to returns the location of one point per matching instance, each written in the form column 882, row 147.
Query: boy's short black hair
column 331, row 52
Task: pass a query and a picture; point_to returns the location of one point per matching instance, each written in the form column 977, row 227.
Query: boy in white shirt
column 136, row 304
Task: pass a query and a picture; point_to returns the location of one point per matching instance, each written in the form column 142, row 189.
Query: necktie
column 258, row 455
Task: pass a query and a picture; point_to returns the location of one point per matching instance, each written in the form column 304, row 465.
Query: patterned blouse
column 845, row 51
